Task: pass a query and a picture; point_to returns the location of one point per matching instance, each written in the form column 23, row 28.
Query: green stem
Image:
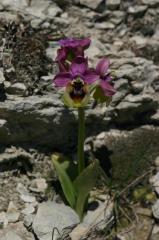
column 81, row 136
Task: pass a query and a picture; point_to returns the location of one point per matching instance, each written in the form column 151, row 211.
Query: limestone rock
column 113, row 4
column 155, row 209
column 91, row 3
column 52, row 215
column 15, row 231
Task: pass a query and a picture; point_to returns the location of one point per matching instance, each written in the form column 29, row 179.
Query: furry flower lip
column 76, row 79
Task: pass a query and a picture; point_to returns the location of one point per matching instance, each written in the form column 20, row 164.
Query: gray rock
column 150, row 3
column 53, row 11
column 105, row 25
column 51, row 215
column 12, row 213
column 91, row 3
column 154, row 180
column 24, row 194
column 17, row 89
column 38, row 185
column 155, row 209
column 137, row 10
column 35, row 23
column 14, row 5
column 113, row 4
column 28, row 210
column 117, row 145
column 15, row 232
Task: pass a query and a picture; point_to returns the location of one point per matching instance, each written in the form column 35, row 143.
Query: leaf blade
column 66, row 184
column 83, row 185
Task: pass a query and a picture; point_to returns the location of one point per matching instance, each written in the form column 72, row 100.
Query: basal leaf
column 83, row 185
column 67, row 185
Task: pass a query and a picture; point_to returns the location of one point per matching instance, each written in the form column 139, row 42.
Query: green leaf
column 83, row 185
column 67, row 185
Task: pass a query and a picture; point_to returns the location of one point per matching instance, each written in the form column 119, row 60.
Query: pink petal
column 79, row 66
column 91, row 76
column 108, row 89
column 85, row 43
column 102, row 66
column 62, row 79
column 61, row 54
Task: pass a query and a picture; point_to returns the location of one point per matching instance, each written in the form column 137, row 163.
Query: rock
column 155, row 209
column 97, row 219
column 17, row 89
column 113, row 4
column 91, row 3
column 155, row 182
column 12, row 213
column 28, row 210
column 27, row 198
column 51, row 215
column 24, row 194
column 35, row 23
column 38, row 185
column 3, row 220
column 105, row 25
column 137, row 10
column 28, row 220
column 144, row 211
column 114, row 146
column 155, row 232
column 15, row 232
column 117, row 17
column 14, row 5
column 53, row 11
column 150, row 3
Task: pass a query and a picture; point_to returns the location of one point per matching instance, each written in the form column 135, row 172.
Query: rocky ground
column 34, row 123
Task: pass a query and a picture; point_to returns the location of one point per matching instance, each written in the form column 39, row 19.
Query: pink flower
column 77, row 79
column 71, row 48
column 104, row 77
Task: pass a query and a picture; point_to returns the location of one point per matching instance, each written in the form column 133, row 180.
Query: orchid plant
column 80, row 83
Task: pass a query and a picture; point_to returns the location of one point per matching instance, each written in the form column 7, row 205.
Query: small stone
column 105, row 25
column 28, row 198
column 92, row 4
column 35, row 23
column 28, row 220
column 150, row 3
column 28, row 210
column 12, row 213
column 24, row 194
column 53, row 11
column 51, row 215
column 137, row 10
column 144, row 211
column 155, row 209
column 16, row 88
column 15, row 231
column 113, row 4
column 38, row 185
